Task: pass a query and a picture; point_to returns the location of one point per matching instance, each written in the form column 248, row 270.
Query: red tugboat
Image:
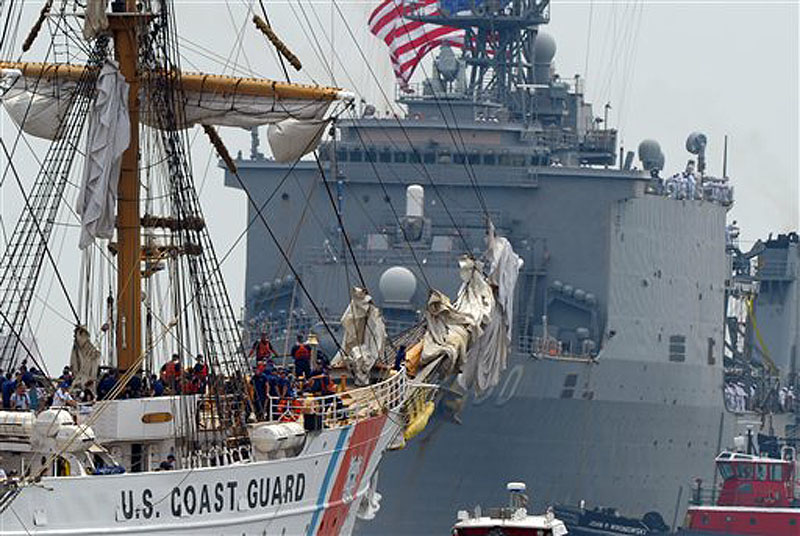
column 512, row 520
column 757, row 498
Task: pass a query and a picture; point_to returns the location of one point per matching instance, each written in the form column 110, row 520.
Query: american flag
column 410, row 40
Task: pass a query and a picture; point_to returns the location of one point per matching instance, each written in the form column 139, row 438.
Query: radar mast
column 500, row 47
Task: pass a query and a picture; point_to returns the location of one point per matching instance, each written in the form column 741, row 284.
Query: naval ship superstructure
column 613, row 393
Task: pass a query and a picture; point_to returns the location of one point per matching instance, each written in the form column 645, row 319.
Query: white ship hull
column 316, row 492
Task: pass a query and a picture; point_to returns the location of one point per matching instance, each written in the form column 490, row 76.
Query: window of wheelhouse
column 762, row 472
column 385, row 156
column 777, row 472
column 726, row 470
column 744, row 470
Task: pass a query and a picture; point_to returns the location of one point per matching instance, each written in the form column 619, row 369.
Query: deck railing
column 344, row 408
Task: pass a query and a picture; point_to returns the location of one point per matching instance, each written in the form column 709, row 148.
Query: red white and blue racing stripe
column 355, row 446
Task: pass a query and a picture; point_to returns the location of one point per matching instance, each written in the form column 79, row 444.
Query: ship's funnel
column 544, row 50
column 415, row 201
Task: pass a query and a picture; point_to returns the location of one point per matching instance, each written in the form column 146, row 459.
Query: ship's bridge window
column 459, row 158
column 474, row 158
column 400, row 157
column 385, row 156
column 444, row 157
column 489, row 159
column 370, row 155
column 513, row 160
column 777, row 471
column 414, row 157
column 430, row 158
column 726, row 471
column 341, row 155
column 356, row 155
column 744, row 470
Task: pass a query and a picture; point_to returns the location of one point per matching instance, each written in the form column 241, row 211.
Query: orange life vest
column 263, row 349
column 289, row 410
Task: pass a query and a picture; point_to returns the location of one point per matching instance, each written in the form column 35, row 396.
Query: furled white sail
column 247, row 111
column 108, row 137
column 291, row 139
column 95, row 20
column 487, row 357
column 85, row 357
column 38, row 100
column 37, row 106
column 364, row 335
column 471, row 337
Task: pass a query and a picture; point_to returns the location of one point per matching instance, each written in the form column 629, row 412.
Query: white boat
column 512, row 520
column 288, row 481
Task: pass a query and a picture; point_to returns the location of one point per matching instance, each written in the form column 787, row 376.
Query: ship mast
column 269, row 102
column 129, row 276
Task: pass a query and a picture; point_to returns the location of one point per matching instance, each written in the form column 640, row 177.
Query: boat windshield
column 725, row 470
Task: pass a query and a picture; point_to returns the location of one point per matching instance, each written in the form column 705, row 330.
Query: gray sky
column 667, row 68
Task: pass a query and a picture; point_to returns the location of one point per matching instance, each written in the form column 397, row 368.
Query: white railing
column 347, row 407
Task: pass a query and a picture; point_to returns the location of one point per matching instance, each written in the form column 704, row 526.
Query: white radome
column 398, row 284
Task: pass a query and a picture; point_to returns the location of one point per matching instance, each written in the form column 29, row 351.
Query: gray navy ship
column 614, row 392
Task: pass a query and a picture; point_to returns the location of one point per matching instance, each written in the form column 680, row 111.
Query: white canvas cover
column 364, row 335
column 107, row 139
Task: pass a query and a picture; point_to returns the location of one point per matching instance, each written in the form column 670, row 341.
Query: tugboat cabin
column 756, row 498
column 750, row 480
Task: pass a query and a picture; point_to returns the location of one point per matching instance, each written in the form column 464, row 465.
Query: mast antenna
column 725, row 159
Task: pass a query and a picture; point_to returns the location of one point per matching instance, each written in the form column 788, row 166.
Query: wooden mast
column 129, row 274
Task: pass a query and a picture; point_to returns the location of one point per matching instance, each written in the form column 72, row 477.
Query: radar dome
column 696, row 143
column 397, row 284
column 650, row 155
column 544, row 48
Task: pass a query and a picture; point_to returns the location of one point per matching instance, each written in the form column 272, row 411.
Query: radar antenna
column 500, row 45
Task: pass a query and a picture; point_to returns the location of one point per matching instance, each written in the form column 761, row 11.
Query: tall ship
column 214, row 439
column 615, row 392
